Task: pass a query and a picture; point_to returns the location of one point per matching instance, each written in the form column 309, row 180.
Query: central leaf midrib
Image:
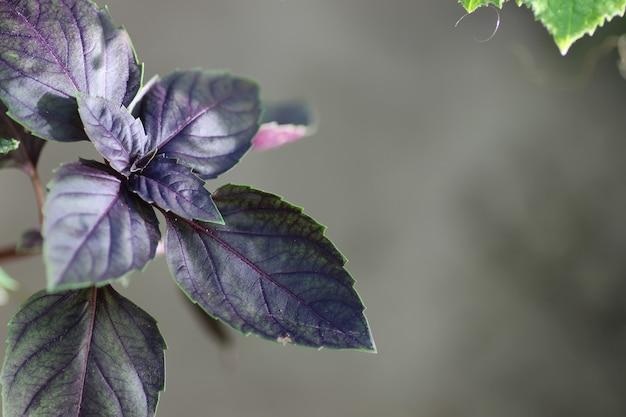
column 262, row 273
column 83, row 374
column 103, row 215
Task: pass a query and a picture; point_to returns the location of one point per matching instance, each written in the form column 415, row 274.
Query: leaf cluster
column 246, row 257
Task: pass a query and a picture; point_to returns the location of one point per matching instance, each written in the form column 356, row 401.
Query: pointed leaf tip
column 174, row 187
column 566, row 20
column 269, row 271
column 116, row 134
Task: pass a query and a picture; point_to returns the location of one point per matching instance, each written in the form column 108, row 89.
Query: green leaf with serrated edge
column 7, row 282
column 471, row 5
column 566, row 20
column 269, row 270
column 87, row 352
column 8, row 145
column 569, row 20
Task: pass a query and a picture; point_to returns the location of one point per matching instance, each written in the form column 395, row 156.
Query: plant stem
column 39, row 193
column 29, row 168
column 10, row 253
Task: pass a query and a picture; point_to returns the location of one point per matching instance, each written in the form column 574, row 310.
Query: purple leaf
column 53, row 49
column 123, row 72
column 115, row 133
column 173, row 187
column 283, row 123
column 269, row 271
column 272, row 135
column 30, row 242
column 82, row 353
column 206, row 120
column 94, row 229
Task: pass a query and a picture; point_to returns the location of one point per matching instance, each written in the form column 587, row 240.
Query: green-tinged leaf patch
column 8, row 145
column 566, row 20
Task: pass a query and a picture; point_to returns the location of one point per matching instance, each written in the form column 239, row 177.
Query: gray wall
column 477, row 193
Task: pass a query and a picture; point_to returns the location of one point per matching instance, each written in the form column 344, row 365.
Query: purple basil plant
column 245, row 256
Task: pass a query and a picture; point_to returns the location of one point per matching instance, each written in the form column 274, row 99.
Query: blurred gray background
column 477, row 189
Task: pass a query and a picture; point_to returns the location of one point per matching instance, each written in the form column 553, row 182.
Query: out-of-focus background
column 477, row 188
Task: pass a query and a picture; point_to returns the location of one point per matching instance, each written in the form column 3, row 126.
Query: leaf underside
column 566, row 20
column 87, row 352
column 269, row 271
column 94, row 229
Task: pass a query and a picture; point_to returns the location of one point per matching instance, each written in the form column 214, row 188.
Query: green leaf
column 8, row 145
column 471, row 5
column 87, row 352
column 566, row 20
column 7, row 282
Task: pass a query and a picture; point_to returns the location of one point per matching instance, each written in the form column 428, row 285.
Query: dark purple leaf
column 94, row 229
column 53, row 49
column 123, row 72
column 269, row 271
column 8, row 145
column 82, row 353
column 115, row 133
column 26, row 156
column 292, row 112
column 173, row 187
column 207, row 120
column 30, row 242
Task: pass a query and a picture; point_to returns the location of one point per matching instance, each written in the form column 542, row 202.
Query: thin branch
column 11, row 253
column 39, row 193
column 29, row 168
